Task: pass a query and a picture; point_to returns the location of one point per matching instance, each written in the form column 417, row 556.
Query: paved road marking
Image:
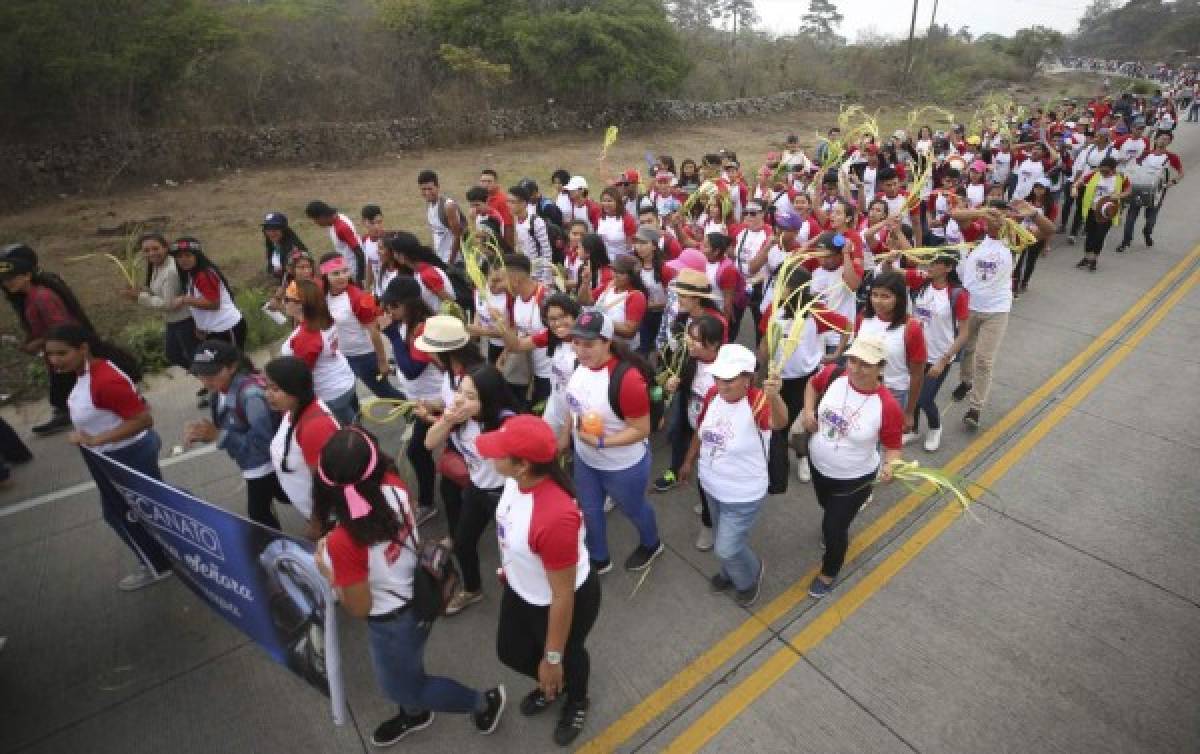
column 737, row 699
column 75, row 489
column 726, row 648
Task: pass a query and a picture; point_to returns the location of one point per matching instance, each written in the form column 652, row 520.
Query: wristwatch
column 554, row 658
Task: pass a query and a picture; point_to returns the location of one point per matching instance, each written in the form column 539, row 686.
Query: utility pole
column 933, row 17
column 912, row 32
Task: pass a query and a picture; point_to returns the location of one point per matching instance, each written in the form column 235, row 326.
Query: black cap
column 17, row 258
column 400, row 289
column 593, row 324
column 212, row 356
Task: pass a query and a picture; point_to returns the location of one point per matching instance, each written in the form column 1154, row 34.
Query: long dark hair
column 894, row 282
column 61, row 289
column 405, row 244
column 496, row 401
column 632, row 268
column 293, row 377
column 556, row 473
column 344, row 460
column 194, row 247
column 796, row 277
column 313, row 307
column 467, row 357
column 711, row 332
column 158, row 238
column 569, row 305
column 76, row 335
column 597, row 255
column 287, row 244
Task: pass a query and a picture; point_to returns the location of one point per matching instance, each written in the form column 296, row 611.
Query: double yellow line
column 737, row 699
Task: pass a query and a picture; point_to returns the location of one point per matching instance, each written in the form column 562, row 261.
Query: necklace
column 847, row 418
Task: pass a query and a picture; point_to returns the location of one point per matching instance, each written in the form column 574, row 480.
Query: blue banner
column 262, row 581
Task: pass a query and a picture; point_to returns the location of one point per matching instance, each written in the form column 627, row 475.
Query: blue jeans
column 345, row 407
column 648, row 331
column 928, row 400
column 733, row 523
column 366, row 367
column 627, row 488
column 901, row 397
column 141, row 456
column 398, row 654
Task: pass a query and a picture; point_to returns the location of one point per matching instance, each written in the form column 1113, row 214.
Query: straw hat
column 443, row 333
column 691, row 282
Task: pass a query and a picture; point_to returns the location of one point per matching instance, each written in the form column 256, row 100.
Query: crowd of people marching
column 793, row 315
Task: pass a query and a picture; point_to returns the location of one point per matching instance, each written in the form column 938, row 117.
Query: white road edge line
column 75, row 489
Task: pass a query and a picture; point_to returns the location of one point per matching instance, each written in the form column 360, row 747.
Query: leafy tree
column 691, row 15
column 821, row 22
column 1028, row 46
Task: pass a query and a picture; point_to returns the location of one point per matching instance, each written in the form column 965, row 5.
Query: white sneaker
column 803, row 473
column 866, row 502
column 704, row 540
column 933, row 439
column 462, row 601
column 908, row 437
column 140, row 579
column 609, row 505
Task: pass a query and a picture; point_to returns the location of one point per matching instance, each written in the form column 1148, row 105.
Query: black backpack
column 653, row 389
column 436, row 579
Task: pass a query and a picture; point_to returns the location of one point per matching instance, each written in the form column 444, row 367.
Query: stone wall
column 105, row 161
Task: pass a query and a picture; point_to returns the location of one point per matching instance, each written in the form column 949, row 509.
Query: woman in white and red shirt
column 491, row 310
column 940, row 304
column 551, row 594
column 623, row 299
column 528, row 296
column 848, row 414
column 615, row 225
column 303, row 431
column 729, row 453
column 427, row 267
column 111, row 418
column 207, row 295
column 355, row 316
column 837, row 275
column 886, row 317
column 315, row 342
column 559, row 311
column 370, row 559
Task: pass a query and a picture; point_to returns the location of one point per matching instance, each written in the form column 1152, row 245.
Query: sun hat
column 691, row 282
column 577, row 183
column 868, row 349
column 733, row 359
column 691, row 259
column 523, row 436
column 443, row 332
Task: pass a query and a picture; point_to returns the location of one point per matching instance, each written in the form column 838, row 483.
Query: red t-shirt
column 313, row 429
column 45, row 310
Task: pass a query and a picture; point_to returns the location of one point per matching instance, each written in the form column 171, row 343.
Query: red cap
column 524, row 436
column 631, row 176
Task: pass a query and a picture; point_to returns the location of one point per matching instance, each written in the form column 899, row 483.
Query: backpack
column 653, row 389
column 253, row 379
column 436, row 579
column 550, row 212
column 444, row 216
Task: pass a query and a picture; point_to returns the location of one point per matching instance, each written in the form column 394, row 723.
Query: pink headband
column 357, row 504
column 333, row 265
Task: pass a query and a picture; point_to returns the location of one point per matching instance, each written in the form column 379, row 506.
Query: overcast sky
column 892, row 17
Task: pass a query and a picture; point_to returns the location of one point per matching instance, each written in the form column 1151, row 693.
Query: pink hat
column 692, row 259
column 979, row 166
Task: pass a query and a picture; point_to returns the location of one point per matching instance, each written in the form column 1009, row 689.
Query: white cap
column 577, row 183
column 868, row 348
column 732, row 360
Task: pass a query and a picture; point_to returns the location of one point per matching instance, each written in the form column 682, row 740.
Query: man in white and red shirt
column 896, row 197
column 345, row 238
column 1031, row 165
column 757, row 257
column 1155, row 169
column 1131, row 147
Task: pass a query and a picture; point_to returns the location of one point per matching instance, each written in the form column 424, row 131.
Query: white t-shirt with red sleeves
column 370, row 249
column 937, row 315
column 527, row 318
column 482, row 472
column 207, row 283
column 722, row 276
column 483, row 314
column 433, row 281
column 103, row 399
column 1160, row 162
column 701, row 384
column 1129, row 149
column 656, row 289
column 332, row 376
column 903, row 345
column 624, row 307
column 314, row 428
column 587, row 391
column 895, row 205
column 427, row 385
column 732, row 465
column 387, row 567
column 345, row 240
column 851, row 425
column 352, row 310
column 616, row 232
column 563, row 363
column 539, row 530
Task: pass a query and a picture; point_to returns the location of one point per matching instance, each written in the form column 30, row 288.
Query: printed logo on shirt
column 839, row 426
column 923, row 313
column 986, row 268
column 715, row 437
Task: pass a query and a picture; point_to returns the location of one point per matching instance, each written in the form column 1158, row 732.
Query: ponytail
column 75, row 335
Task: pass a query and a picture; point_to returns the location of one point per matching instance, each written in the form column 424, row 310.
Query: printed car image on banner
column 262, row 581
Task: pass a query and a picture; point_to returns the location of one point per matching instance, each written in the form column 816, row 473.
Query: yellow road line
column 737, row 699
column 728, row 646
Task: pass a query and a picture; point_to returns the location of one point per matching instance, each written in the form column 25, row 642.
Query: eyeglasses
column 291, row 301
column 751, row 213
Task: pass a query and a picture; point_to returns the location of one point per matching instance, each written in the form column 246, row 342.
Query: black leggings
column 1023, row 270
column 841, row 499
column 235, row 335
column 422, row 463
column 521, row 636
column 1094, row 234
column 792, row 394
column 260, row 493
column 469, row 510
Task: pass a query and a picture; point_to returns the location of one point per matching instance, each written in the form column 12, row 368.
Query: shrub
column 145, row 341
column 260, row 330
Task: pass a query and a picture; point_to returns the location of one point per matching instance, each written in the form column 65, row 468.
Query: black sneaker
column 747, row 597
column 570, row 722
column 719, row 582
column 59, row 422
column 1121, row 247
column 1082, row 263
column 1149, row 240
column 601, row 567
column 961, row 391
column 641, row 558
column 487, row 720
column 971, row 418
column 391, row 731
column 534, row 703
